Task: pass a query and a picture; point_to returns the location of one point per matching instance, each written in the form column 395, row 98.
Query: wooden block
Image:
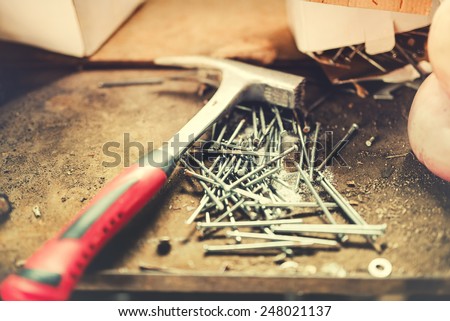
column 250, row 30
column 422, row 7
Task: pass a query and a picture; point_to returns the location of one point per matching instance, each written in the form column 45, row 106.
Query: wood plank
column 406, row 6
column 252, row 30
column 55, row 123
column 245, row 283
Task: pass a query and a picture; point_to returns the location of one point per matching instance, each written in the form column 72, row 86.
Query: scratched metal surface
column 53, row 125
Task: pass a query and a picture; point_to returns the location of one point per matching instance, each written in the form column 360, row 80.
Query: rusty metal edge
column 244, row 283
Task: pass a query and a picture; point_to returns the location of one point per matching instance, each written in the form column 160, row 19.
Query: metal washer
column 374, row 268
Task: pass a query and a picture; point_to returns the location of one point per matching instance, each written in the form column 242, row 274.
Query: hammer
column 53, row 271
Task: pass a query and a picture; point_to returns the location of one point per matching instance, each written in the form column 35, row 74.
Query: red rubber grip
column 53, row 271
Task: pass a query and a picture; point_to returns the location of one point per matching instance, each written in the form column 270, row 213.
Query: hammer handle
column 53, row 271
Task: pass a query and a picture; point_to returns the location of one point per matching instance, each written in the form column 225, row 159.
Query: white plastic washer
column 380, row 268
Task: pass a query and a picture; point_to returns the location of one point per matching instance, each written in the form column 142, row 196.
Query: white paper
column 319, row 27
column 72, row 27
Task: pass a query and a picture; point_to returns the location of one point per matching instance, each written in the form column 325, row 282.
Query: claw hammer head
column 252, row 82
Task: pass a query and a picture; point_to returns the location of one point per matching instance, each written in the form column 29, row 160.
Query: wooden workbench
column 55, row 122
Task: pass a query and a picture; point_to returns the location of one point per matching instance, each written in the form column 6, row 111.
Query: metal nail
column 270, row 126
column 221, row 198
column 132, row 82
column 244, row 108
column 262, row 177
column 251, row 195
column 319, row 201
column 355, row 51
column 237, row 238
column 221, row 134
column 303, row 145
column 197, row 211
column 212, row 196
column 229, row 211
column 238, row 165
column 278, row 117
column 219, row 224
column 251, row 246
column 243, row 169
column 346, row 207
column 200, row 177
column 319, row 101
column 262, row 119
column 338, row 147
column 410, row 60
column 294, row 126
column 274, row 198
column 286, row 250
column 313, row 151
column 329, row 205
column 260, row 168
column 258, row 189
column 331, row 229
column 213, row 130
column 229, row 169
column 368, row 59
column 276, row 237
column 370, row 141
column 223, row 166
column 220, row 151
column 245, row 209
column 255, row 126
column 281, row 182
column 236, row 131
column 337, row 54
column 210, row 173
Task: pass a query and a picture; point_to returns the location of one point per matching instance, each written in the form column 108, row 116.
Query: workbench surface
column 53, row 125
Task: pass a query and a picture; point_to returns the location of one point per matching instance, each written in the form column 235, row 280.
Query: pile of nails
column 264, row 188
column 408, row 58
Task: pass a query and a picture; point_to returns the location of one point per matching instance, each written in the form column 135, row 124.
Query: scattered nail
column 370, row 141
column 245, row 180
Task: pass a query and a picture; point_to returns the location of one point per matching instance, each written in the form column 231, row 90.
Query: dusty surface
column 52, row 131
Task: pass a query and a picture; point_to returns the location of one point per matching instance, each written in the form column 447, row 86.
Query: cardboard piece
column 319, row 27
column 422, row 7
column 72, row 27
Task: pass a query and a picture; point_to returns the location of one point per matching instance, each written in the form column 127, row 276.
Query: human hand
column 429, row 118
